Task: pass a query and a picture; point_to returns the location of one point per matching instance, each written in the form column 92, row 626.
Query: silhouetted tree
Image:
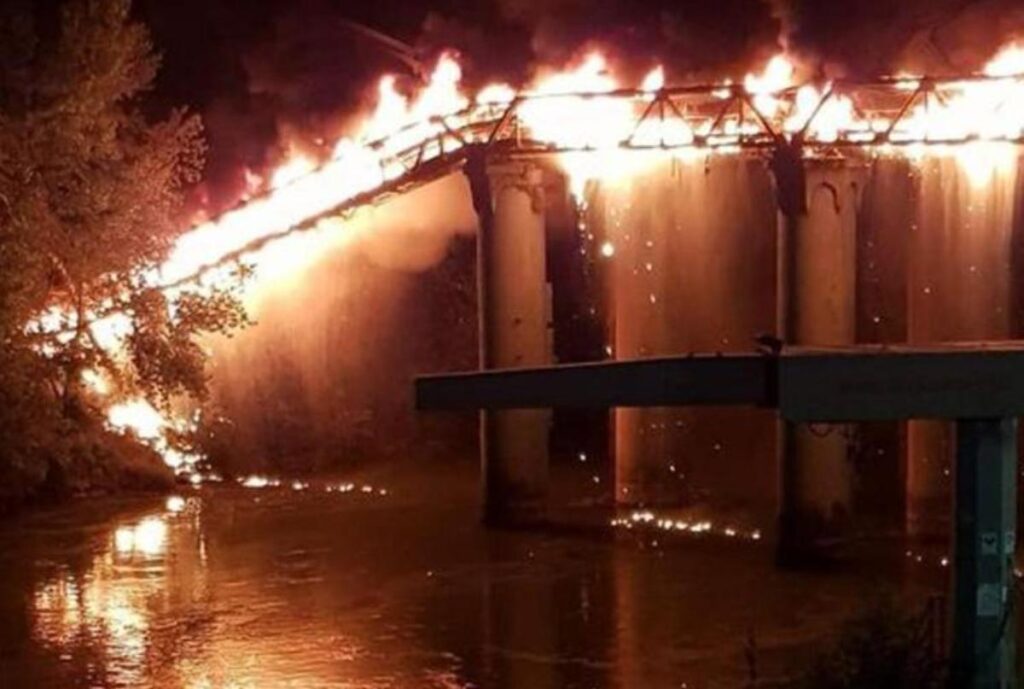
column 91, row 193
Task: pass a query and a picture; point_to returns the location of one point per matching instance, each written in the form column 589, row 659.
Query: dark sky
column 262, row 72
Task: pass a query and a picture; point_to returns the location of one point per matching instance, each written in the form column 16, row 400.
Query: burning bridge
column 816, row 141
column 627, row 127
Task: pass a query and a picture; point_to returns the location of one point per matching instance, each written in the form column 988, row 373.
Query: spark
column 175, row 504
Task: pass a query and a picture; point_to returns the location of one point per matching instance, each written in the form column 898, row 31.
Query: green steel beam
column 984, row 628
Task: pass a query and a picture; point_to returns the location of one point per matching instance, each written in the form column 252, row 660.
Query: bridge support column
column 816, row 307
column 643, row 436
column 984, row 625
column 514, row 317
column 959, row 289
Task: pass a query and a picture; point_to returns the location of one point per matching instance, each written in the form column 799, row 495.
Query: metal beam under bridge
column 979, row 386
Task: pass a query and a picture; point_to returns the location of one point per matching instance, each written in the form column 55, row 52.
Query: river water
column 396, row 585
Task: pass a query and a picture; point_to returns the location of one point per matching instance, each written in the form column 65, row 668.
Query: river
column 391, row 582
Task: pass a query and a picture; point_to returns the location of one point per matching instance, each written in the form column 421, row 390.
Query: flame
column 1008, row 62
column 777, row 75
column 573, row 109
column 588, row 115
column 654, row 81
column 599, row 123
column 648, row 520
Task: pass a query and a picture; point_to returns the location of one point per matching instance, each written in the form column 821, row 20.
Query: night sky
column 268, row 74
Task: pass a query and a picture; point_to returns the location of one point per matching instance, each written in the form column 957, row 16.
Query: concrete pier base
column 817, row 292
column 514, row 333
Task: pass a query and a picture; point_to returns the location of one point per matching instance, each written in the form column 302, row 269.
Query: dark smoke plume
column 867, row 38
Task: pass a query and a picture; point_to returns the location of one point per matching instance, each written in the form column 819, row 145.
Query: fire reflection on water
column 147, row 538
column 231, row 587
column 110, row 605
column 145, row 606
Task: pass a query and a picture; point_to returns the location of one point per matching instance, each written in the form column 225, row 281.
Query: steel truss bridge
column 982, row 388
column 701, row 120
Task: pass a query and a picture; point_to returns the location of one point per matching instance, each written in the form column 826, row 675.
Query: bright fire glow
column 778, row 74
column 147, row 538
column 582, row 112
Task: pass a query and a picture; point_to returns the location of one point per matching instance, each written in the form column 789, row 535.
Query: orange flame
column 576, row 109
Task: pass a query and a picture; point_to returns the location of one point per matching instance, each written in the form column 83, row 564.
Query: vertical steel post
column 984, row 634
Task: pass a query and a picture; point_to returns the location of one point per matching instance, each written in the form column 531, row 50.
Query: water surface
column 232, row 587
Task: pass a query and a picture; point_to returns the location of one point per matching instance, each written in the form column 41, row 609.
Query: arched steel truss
column 709, row 119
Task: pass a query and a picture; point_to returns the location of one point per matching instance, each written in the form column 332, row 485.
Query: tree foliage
column 91, row 194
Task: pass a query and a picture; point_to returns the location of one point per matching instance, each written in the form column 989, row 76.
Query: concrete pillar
column 816, row 307
column 958, row 289
column 692, row 271
column 648, row 448
column 884, row 224
column 514, row 333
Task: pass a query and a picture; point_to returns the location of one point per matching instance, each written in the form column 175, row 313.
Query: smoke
column 271, row 77
column 870, row 38
column 412, row 232
column 692, row 39
column 324, row 380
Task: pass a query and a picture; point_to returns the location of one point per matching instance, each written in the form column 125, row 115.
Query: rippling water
column 278, row 588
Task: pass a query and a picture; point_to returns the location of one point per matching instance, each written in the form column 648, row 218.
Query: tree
column 91, row 193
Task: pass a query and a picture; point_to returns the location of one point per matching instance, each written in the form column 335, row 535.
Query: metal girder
column 712, row 118
column 682, row 381
column 855, row 384
column 981, row 386
column 869, row 384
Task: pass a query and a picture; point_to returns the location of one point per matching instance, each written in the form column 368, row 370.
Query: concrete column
column 816, row 307
column 958, row 289
column 514, row 333
column 647, row 445
column 692, row 272
column 884, row 224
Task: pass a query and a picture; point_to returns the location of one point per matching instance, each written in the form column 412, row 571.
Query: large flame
column 582, row 109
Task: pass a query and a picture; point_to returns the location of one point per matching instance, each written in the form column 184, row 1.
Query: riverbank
column 88, row 464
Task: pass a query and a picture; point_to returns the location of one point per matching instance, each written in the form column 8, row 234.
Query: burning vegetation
column 90, row 192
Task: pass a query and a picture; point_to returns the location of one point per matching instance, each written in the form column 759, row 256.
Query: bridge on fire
column 842, row 118
column 981, row 388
